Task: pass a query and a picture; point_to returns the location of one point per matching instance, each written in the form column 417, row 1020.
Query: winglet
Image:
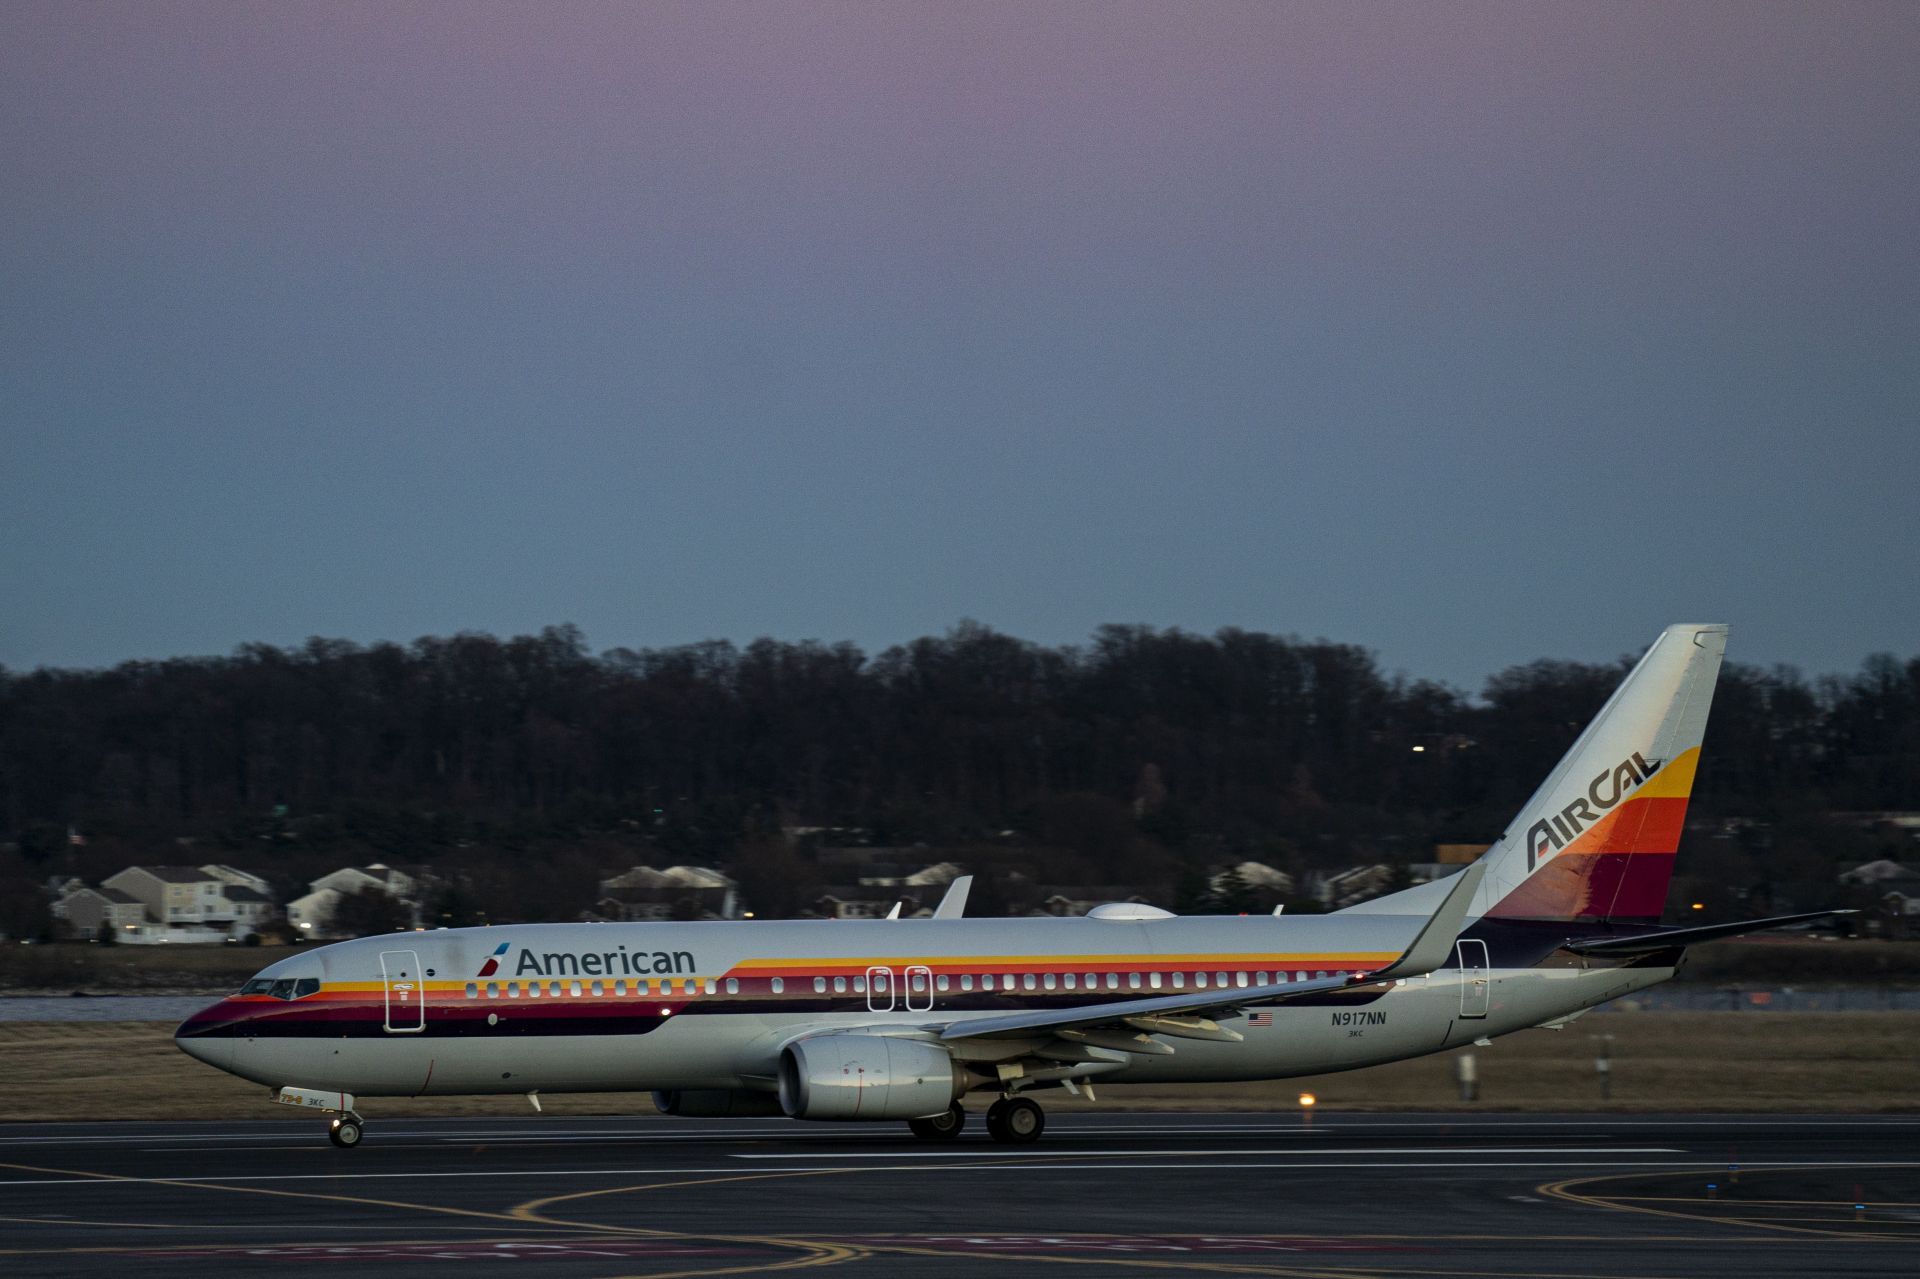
column 1434, row 946
column 954, row 904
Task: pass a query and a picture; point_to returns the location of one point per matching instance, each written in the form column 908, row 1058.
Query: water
column 102, row 1007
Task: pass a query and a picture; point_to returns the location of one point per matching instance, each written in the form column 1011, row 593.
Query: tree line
column 1141, row 756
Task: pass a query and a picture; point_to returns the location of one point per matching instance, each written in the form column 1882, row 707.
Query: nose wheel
column 1016, row 1121
column 346, row 1131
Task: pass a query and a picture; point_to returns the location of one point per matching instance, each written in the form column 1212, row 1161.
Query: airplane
column 891, row 1020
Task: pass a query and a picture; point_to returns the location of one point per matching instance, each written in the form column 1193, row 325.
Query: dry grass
column 1662, row 1061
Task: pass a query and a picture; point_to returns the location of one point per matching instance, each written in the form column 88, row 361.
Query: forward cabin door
column 406, row 992
column 1476, row 978
column 879, row 990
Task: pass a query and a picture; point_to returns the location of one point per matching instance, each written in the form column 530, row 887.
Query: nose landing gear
column 346, row 1130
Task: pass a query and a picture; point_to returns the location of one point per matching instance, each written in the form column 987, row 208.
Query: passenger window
column 1240, row 979
column 493, row 990
column 940, row 982
column 513, row 990
column 966, row 981
column 1200, row 981
column 1220, row 979
column 918, row 982
column 1006, row 981
column 1070, row 977
column 839, row 985
column 1153, row 980
column 620, row 986
column 598, row 989
column 1133, row 981
column 779, row 984
column 1113, row 981
column 1026, row 980
column 574, row 989
column 553, row 988
column 1261, row 978
column 733, row 986
column 306, row 986
column 859, row 985
column 1050, row 981
column 1093, row 981
column 533, row 990
column 1179, row 981
column 1299, row 976
column 819, row 985
column 711, row 987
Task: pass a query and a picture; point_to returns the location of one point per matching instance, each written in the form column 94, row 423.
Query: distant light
column 1418, row 749
column 1699, row 905
column 1307, row 1099
column 666, row 1012
column 746, row 914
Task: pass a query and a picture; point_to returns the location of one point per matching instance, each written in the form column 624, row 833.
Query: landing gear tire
column 940, row 1127
column 1016, row 1121
column 346, row 1131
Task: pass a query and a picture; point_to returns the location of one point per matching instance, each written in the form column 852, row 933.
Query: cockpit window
column 283, row 987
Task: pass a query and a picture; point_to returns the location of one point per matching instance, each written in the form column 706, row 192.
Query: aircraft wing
column 1189, row 1014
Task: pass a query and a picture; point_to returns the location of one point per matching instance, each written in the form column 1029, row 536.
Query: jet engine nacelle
column 716, row 1103
column 847, row 1076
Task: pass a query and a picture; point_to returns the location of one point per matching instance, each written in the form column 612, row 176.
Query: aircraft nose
column 205, row 1037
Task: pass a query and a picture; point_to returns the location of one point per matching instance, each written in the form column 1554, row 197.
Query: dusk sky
column 1469, row 333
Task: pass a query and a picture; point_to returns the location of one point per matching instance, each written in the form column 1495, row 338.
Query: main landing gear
column 1016, row 1121
column 1011, row 1121
column 346, row 1130
column 940, row 1127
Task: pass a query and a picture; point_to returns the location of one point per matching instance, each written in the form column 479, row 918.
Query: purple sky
column 1471, row 333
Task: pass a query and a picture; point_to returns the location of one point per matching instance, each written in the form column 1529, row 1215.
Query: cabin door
column 406, row 992
column 1476, row 978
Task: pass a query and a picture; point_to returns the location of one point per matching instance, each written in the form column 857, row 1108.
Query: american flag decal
column 1260, row 1019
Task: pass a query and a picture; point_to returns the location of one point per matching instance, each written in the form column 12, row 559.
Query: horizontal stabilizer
column 1647, row 943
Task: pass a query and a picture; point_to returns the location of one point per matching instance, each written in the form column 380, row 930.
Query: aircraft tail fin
column 1597, row 840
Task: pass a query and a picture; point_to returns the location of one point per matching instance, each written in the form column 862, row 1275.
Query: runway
column 1344, row 1197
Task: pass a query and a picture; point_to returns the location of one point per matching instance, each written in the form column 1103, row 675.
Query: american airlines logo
column 606, row 963
column 1551, row 834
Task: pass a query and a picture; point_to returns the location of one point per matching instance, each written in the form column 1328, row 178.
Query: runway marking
column 1040, row 1163
column 1344, row 1150
column 814, row 1254
column 1564, row 1190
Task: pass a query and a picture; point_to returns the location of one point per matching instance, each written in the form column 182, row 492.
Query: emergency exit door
column 406, row 992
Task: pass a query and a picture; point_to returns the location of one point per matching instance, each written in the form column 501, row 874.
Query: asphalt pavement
column 1343, row 1195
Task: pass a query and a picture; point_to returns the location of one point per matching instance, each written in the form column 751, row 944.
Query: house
column 678, row 892
column 174, row 896
column 1342, row 888
column 311, row 914
column 87, row 910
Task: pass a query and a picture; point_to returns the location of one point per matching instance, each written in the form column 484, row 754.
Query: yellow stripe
column 1675, row 780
